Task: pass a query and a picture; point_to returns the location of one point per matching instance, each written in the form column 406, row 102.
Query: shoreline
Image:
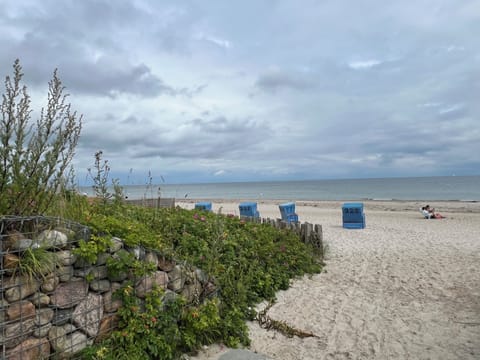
column 443, row 206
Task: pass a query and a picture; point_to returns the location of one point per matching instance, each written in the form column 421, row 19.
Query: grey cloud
column 196, row 139
column 223, row 125
column 275, row 80
column 88, row 44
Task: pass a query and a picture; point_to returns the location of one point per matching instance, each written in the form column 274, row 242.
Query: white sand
column 403, row 288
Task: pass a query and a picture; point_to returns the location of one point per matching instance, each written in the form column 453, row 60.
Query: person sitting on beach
column 430, row 213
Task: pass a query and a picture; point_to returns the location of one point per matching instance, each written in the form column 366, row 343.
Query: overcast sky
column 207, row 91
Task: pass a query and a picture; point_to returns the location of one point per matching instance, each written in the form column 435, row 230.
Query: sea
column 451, row 188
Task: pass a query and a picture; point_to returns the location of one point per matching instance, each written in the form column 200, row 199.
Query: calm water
column 465, row 188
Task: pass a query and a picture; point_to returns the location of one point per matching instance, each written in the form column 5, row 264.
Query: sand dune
column 403, row 288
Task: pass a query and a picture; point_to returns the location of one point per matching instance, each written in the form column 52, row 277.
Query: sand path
column 403, row 288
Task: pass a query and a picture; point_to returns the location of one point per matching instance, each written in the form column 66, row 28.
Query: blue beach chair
column 353, row 216
column 206, row 206
column 287, row 211
column 248, row 209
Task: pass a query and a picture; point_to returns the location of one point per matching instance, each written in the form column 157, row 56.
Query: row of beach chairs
column 353, row 215
column 249, row 210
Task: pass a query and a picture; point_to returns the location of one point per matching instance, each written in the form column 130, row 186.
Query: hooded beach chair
column 206, row 206
column 248, row 209
column 353, row 216
column 287, row 212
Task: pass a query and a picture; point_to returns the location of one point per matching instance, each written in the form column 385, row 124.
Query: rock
column 69, row 233
column 201, row 276
column 66, row 345
column 110, row 304
column 99, row 272
column 62, row 316
column 117, row 244
column 102, row 259
column 10, row 262
column 3, row 309
column 42, row 331
column 192, row 292
column 69, row 294
column 138, row 252
column 56, row 336
column 66, row 257
column 82, row 272
column 152, row 258
column 100, row 285
column 177, row 278
column 30, row 349
column 88, row 313
column 13, row 334
column 50, row 283
column 20, row 287
column 43, row 316
column 22, row 309
column 73, row 344
column 65, row 273
column 146, row 284
column 52, row 239
column 107, row 325
column 169, row 296
column 14, row 240
column 40, row 299
column 165, row 264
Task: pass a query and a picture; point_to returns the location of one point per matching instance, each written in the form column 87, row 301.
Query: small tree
column 34, row 157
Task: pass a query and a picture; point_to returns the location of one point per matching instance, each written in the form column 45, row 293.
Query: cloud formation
column 196, row 91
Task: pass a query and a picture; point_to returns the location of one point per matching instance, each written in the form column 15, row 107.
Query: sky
column 191, row 91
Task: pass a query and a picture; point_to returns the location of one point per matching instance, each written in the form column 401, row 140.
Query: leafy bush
column 250, row 262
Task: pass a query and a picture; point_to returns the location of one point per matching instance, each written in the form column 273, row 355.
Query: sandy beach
column 402, row 288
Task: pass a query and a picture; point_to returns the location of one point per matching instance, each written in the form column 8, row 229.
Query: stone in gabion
column 20, row 287
column 13, row 334
column 88, row 313
column 177, row 278
column 116, row 245
column 111, row 304
column 66, row 257
column 62, row 316
column 30, row 349
column 100, row 285
column 145, row 285
column 52, row 239
column 43, row 316
column 42, row 331
column 40, row 299
column 66, row 345
column 20, row 310
column 68, row 295
column 50, row 283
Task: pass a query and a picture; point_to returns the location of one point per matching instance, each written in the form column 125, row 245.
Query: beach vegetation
column 34, row 157
column 248, row 261
column 35, row 263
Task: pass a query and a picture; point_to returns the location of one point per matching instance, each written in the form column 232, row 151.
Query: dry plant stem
column 266, row 322
column 34, row 157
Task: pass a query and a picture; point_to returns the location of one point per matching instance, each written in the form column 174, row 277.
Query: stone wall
column 59, row 312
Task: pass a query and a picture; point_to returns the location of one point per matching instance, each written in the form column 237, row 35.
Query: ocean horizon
column 447, row 188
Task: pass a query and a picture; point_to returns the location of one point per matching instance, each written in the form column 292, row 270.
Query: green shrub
column 34, row 160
